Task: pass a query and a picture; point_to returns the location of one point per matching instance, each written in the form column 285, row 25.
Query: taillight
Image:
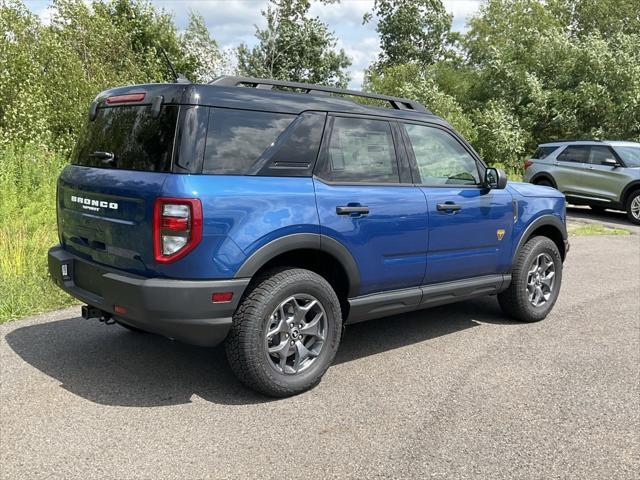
column 527, row 164
column 177, row 227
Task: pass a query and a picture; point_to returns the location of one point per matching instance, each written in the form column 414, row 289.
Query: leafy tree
column 202, row 51
column 411, row 31
column 294, row 47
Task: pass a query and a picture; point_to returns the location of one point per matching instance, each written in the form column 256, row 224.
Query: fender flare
column 544, row 220
column 546, row 176
column 297, row 241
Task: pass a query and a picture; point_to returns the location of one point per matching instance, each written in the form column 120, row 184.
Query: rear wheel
column 535, row 281
column 285, row 332
column 633, row 207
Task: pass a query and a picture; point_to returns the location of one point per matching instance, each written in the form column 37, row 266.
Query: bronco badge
column 500, row 233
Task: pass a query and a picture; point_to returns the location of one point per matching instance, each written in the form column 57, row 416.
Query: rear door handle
column 349, row 209
column 448, row 207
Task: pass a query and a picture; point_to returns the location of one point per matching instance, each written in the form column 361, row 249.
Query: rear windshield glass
column 630, row 155
column 237, row 138
column 128, row 138
column 542, row 152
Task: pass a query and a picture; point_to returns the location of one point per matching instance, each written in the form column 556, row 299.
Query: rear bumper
column 180, row 309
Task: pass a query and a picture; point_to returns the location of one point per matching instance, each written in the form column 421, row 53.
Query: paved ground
column 455, row 392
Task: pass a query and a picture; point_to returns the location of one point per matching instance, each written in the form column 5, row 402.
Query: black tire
column 544, row 183
column 514, row 301
column 633, row 219
column 130, row 328
column 246, row 344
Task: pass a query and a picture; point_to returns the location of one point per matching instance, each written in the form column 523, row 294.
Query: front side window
column 600, row 154
column 575, row 154
column 237, row 138
column 630, row 155
column 441, row 159
column 361, row 150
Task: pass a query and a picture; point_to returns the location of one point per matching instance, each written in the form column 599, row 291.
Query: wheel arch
column 319, row 253
column 628, row 190
column 544, row 176
column 548, row 226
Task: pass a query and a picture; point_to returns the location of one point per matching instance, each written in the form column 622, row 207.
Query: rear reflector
column 221, row 297
column 126, row 98
column 119, row 309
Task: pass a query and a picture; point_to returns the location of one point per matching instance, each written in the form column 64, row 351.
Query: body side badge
column 500, row 233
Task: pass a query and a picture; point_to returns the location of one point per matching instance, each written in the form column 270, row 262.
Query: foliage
column 28, row 196
column 203, row 51
column 591, row 229
column 528, row 72
column 410, row 31
column 294, row 46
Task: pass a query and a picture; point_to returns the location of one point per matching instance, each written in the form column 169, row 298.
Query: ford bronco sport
column 270, row 214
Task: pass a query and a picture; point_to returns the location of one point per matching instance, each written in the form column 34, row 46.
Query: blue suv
column 270, row 214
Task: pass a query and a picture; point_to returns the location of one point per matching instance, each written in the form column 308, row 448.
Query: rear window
column 129, row 138
column 543, row 152
column 237, row 138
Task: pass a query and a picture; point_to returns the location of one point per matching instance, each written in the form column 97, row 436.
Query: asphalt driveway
column 452, row 392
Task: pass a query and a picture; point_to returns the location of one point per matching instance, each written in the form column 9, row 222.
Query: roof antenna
column 177, row 77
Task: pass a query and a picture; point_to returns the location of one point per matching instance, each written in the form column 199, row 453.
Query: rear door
column 469, row 226
column 105, row 198
column 367, row 202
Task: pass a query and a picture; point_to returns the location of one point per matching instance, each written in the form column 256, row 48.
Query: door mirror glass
column 610, row 162
column 495, row 178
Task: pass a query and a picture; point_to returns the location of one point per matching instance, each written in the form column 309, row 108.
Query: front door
column 366, row 202
column 469, row 225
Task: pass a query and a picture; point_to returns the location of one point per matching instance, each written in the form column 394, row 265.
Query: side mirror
column 610, row 162
column 495, row 178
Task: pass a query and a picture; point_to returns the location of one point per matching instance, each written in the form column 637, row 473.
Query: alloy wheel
column 296, row 333
column 541, row 279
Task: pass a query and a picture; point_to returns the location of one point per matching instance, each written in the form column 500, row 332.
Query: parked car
column 270, row 214
column 599, row 174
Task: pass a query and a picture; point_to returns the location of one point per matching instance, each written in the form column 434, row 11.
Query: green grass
column 27, row 230
column 589, row 229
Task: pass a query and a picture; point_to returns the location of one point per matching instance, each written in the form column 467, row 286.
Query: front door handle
column 448, row 207
column 350, row 209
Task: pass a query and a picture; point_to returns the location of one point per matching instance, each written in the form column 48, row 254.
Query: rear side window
column 362, row 151
column 237, row 138
column 543, row 152
column 128, row 138
column 576, row 154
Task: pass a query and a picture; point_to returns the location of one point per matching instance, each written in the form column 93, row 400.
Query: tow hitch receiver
column 90, row 313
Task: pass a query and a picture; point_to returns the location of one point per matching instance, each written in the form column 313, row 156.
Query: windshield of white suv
column 630, row 155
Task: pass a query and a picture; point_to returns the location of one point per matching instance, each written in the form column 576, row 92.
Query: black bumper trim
column 180, row 309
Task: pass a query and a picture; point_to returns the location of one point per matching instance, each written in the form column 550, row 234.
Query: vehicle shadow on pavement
column 112, row 366
column 610, row 217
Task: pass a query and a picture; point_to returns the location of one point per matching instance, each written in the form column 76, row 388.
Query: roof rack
column 265, row 84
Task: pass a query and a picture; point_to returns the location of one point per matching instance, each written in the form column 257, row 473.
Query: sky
column 231, row 22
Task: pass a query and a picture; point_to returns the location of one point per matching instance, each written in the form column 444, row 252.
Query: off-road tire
column 630, row 200
column 245, row 344
column 514, row 300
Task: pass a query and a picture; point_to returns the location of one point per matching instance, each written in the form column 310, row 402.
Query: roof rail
column 266, row 84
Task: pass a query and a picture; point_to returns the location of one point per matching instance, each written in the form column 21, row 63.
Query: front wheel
column 633, row 207
column 285, row 332
column 536, row 277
